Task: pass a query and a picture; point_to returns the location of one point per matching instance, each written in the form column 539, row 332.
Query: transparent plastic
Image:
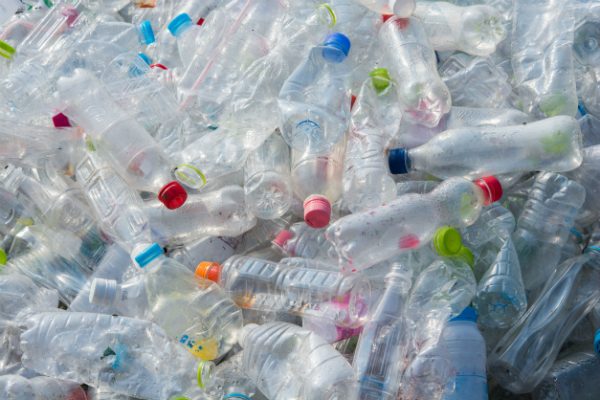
column 215, row 249
column 587, row 176
column 18, row 387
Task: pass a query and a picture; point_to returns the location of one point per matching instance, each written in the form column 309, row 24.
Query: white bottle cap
column 103, row 292
column 402, row 8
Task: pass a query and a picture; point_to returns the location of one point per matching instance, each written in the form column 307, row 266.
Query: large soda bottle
column 340, row 297
column 553, row 144
column 134, row 154
column 409, row 221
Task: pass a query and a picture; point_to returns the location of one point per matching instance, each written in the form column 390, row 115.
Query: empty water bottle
column 17, row 387
column 186, row 32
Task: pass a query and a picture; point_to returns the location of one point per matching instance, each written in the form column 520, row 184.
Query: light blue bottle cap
column 340, row 43
column 146, row 257
column 145, row 32
column 178, row 22
column 234, row 396
column 468, row 314
column 145, row 58
column 597, row 342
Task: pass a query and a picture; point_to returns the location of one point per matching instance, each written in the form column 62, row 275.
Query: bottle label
column 345, row 333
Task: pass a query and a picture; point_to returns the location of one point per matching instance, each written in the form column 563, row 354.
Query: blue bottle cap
column 340, row 43
column 597, row 342
column 581, row 110
column 145, row 58
column 398, row 160
column 146, row 257
column 468, row 314
column 145, row 32
column 232, row 396
column 178, row 22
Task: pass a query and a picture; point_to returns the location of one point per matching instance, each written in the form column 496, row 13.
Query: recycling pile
column 295, row 200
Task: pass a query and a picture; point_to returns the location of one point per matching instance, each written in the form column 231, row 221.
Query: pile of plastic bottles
column 295, row 200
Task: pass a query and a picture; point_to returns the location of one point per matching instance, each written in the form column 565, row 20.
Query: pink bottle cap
column 172, row 195
column 60, row 120
column 317, row 211
column 200, row 22
column 283, row 237
column 492, row 189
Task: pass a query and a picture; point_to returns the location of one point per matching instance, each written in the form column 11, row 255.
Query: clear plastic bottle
column 186, row 32
column 117, row 207
column 573, row 376
column 285, row 361
column 129, row 36
column 572, row 247
column 587, row 176
column 263, row 285
column 17, row 387
column 211, row 249
column 134, row 154
column 267, row 186
column 104, row 352
column 194, row 311
column 526, row 353
column 165, row 56
column 367, row 181
column 424, row 98
column 314, row 102
column 546, row 89
column 231, row 382
column 587, row 39
column 409, row 221
column 307, row 242
column 475, row 29
column 13, row 217
column 501, row 299
column 221, row 212
column 317, row 181
column 543, row 227
column 467, row 352
column 553, row 144
column 60, row 210
column 380, row 350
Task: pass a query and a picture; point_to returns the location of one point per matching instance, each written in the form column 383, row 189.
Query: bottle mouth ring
column 190, row 175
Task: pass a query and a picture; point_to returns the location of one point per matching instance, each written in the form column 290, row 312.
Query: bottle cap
column 447, row 242
column 468, row 314
column 2, row 257
column 466, row 255
column 200, row 22
column 145, row 58
column 246, row 330
column 235, row 396
column 157, row 65
column 597, row 342
column 283, row 237
column 326, row 15
column 398, row 161
column 6, row 50
column 178, row 22
column 60, row 120
column 103, row 292
column 492, row 189
column 209, row 270
column 339, row 42
column 172, row 195
column 381, row 79
column 146, row 256
column 402, row 8
column 386, row 17
column 317, row 211
column 205, row 376
column 145, row 32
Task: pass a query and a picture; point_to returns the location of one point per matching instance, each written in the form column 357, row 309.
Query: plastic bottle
column 117, row 207
column 314, row 102
column 587, row 176
column 424, row 98
column 231, row 382
column 317, row 181
column 409, row 221
column 62, row 211
column 84, row 347
column 553, row 144
column 134, row 154
column 129, row 36
column 13, row 218
column 367, row 181
column 267, row 187
column 283, row 362
column 275, row 251
column 17, row 387
column 543, row 227
column 212, row 249
column 186, row 32
column 221, row 212
column 467, row 352
column 380, row 349
column 208, row 323
column 263, row 285
column 307, row 242
column 475, row 29
column 546, row 89
column 165, row 56
column 585, row 46
column 526, row 353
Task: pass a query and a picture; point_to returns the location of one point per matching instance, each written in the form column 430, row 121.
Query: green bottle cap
column 447, row 242
column 2, row 257
column 6, row 50
column 465, row 255
column 381, row 79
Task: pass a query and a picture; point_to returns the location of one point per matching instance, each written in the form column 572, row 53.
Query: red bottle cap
column 317, row 211
column 157, row 65
column 60, row 120
column 209, row 270
column 172, row 195
column 492, row 189
column 352, row 101
column 200, row 21
column 386, row 17
column 283, row 237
